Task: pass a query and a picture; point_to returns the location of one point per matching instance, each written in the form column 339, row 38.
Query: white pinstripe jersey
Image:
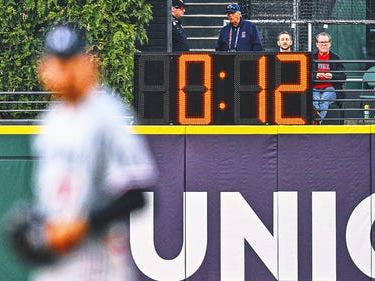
column 88, row 158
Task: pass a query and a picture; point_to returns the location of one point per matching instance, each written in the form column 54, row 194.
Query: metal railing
column 24, row 107
column 27, row 107
column 349, row 106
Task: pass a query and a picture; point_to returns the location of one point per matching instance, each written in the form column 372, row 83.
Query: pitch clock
column 223, row 88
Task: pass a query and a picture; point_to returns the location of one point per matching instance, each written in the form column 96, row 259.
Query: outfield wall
column 261, row 202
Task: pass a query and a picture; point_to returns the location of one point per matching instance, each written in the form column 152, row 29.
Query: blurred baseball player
column 90, row 174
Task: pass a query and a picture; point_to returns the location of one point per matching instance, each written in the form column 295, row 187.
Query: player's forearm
column 118, row 208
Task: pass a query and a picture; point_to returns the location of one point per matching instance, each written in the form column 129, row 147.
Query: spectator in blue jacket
column 238, row 35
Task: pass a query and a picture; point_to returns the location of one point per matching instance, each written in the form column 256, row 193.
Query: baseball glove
column 24, row 229
column 41, row 241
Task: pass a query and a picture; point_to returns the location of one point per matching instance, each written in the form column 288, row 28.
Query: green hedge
column 114, row 28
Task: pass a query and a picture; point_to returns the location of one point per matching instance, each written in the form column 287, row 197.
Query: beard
column 285, row 48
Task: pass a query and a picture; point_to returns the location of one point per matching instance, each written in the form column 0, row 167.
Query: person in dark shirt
column 325, row 74
column 179, row 38
column 238, row 34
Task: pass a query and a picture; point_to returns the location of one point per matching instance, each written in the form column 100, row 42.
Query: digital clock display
column 223, row 88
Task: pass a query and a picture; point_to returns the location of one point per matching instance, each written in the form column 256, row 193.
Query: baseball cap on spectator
column 233, row 8
column 178, row 4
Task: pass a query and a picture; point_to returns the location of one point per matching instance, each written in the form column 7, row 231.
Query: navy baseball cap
column 64, row 41
column 178, row 4
column 232, row 8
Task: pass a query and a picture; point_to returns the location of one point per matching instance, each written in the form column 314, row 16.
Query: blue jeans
column 322, row 100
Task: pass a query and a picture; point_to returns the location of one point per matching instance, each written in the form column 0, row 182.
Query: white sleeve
column 129, row 161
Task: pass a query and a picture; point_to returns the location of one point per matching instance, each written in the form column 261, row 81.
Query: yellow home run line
column 218, row 130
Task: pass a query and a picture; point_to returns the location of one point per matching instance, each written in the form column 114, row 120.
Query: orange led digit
column 283, row 89
column 262, row 82
column 182, row 96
